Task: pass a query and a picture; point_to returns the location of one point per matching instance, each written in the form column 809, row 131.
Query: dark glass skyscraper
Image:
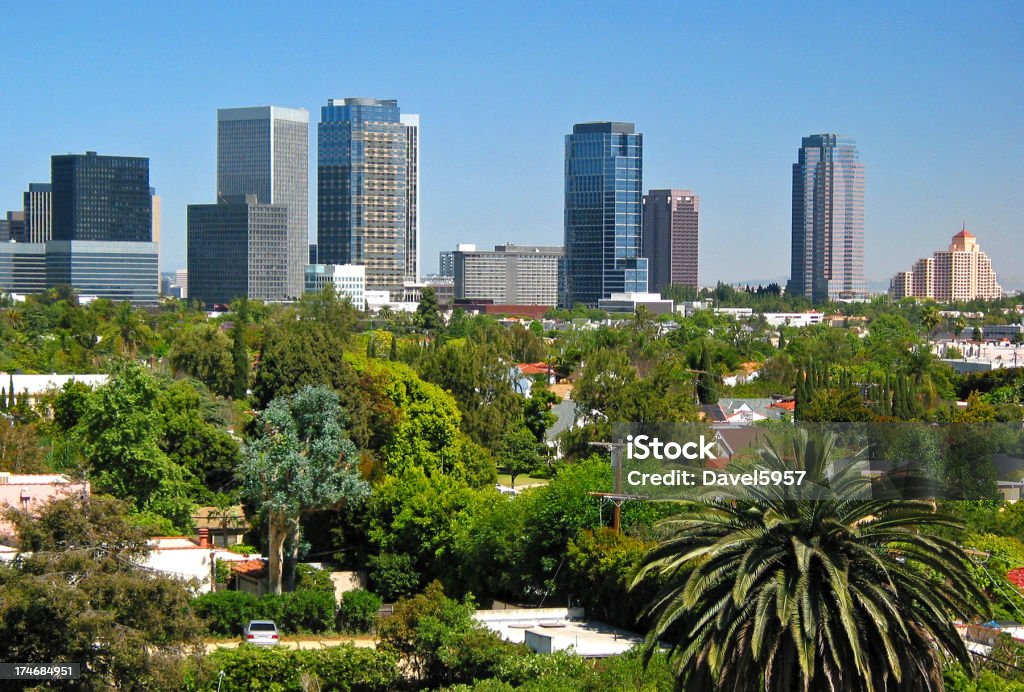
column 603, row 182
column 828, row 220
column 363, row 174
column 101, row 198
column 246, row 236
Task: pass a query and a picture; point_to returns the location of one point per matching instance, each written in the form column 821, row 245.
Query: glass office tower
column 362, row 190
column 103, row 198
column 264, row 151
column 603, row 182
column 828, row 220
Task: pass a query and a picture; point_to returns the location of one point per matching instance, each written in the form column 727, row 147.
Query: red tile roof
column 250, row 568
column 534, row 368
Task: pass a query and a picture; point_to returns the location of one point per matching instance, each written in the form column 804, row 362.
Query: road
column 304, row 643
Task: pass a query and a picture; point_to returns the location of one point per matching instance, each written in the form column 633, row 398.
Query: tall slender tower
column 264, row 151
column 412, row 197
column 38, row 213
column 670, row 237
column 828, row 220
column 362, row 189
column 603, row 183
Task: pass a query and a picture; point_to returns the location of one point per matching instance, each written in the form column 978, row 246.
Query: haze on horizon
column 722, row 95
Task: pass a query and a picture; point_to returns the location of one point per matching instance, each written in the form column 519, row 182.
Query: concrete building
column 671, row 238
column 238, row 247
column 962, row 272
column 603, row 184
column 29, row 492
column 156, row 209
column 793, row 319
column 349, row 281
column 38, row 204
column 627, row 303
column 510, row 274
column 264, row 151
column 828, row 220
column 12, row 227
column 181, row 281
column 446, row 262
column 363, row 176
column 412, row 196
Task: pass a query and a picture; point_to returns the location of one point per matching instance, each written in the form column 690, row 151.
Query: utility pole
column 617, row 497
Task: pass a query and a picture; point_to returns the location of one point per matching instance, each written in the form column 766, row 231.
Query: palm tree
column 930, row 319
column 764, row 590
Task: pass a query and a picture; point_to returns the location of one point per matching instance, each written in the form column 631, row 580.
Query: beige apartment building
column 961, row 273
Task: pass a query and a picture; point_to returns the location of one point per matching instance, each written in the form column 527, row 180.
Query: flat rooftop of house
column 34, row 479
column 564, row 627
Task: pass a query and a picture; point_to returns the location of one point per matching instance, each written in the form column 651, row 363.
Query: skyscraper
column 363, row 189
column 671, row 237
column 38, row 205
column 603, row 182
column 264, row 151
column 105, row 198
column 103, row 228
column 412, row 197
column 828, row 220
column 238, row 247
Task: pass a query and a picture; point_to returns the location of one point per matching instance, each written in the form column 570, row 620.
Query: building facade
column 962, row 272
column 113, row 269
column 23, row 267
column 363, row 196
column 264, row 151
column 38, row 204
column 12, row 227
column 603, row 183
column 238, row 247
column 671, row 237
column 509, row 275
column 446, row 263
column 349, row 281
column 101, row 198
column 411, row 122
column 827, row 261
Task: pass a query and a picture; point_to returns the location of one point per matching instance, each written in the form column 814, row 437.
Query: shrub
column 306, row 611
column 226, row 612
column 393, row 576
column 356, row 670
column 309, row 578
column 242, row 549
column 343, row 668
column 358, row 612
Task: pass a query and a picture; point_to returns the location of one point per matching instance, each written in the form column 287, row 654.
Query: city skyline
column 926, row 98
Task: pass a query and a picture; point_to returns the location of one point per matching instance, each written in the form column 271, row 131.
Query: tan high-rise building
column 961, row 273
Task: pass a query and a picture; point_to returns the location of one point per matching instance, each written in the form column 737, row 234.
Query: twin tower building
column 253, row 241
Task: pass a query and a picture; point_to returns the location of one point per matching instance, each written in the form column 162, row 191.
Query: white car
column 261, row 633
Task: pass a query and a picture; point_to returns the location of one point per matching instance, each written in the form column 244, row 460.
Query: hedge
column 227, row 612
column 344, row 668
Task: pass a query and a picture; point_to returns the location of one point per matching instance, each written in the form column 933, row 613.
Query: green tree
column 240, row 363
column 847, row 592
column 202, row 351
column 707, row 380
column 299, row 459
column 519, row 452
column 428, row 312
column 930, row 319
column 120, row 432
column 440, row 640
column 537, row 414
column 77, row 594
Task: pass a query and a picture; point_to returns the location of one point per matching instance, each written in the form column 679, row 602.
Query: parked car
column 261, row 633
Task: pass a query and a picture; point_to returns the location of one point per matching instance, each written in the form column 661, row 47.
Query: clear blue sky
column 932, row 92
